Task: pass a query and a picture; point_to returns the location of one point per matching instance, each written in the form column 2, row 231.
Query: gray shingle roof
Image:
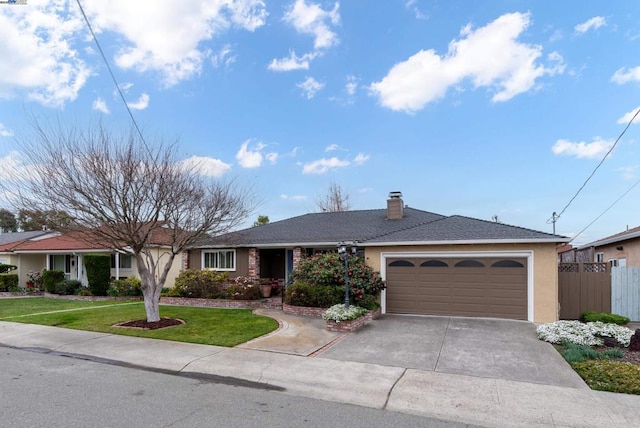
column 7, row 238
column 372, row 227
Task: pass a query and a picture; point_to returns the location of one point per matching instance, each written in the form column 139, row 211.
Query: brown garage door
column 482, row 287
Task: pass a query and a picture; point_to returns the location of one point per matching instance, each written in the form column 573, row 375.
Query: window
column 434, row 263
column 401, row 263
column 599, row 257
column 469, row 263
column 507, row 264
column 219, row 260
column 124, row 259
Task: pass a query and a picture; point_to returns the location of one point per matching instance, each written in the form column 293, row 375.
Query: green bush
column 68, row 287
column 575, row 353
column 604, row 317
column 9, row 282
column 243, row 292
column 125, row 287
column 303, row 294
column 612, row 376
column 203, row 284
column 50, row 278
column 98, row 268
column 7, row 268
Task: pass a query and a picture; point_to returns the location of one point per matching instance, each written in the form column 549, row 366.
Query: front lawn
column 35, row 305
column 613, row 369
column 208, row 326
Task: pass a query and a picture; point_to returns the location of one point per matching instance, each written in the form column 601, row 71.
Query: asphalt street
column 48, row 390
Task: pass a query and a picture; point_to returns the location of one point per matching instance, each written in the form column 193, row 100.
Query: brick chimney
column 395, row 206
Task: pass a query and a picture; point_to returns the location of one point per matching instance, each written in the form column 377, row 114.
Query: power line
column 555, row 216
column 113, row 77
column 608, row 208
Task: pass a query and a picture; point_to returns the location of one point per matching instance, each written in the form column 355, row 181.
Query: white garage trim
column 471, row 254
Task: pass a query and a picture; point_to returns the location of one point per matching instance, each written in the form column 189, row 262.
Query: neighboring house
column 65, row 252
column 621, row 249
column 9, row 240
column 432, row 264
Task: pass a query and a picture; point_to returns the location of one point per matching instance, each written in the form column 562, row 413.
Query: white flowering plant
column 340, row 313
column 589, row 334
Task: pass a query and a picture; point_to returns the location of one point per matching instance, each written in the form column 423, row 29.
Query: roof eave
column 387, row 244
column 611, row 240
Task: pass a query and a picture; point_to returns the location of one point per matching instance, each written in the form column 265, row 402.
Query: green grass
column 34, row 305
column 209, row 326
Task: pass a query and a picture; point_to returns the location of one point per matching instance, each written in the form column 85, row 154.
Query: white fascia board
column 463, row 242
column 272, row 245
column 97, row 250
column 611, row 240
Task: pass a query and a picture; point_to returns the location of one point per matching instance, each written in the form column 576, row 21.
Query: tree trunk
column 151, row 306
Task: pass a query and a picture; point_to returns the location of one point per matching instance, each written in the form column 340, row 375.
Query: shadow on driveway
column 491, row 348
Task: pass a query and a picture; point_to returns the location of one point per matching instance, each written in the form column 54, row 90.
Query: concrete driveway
column 480, row 347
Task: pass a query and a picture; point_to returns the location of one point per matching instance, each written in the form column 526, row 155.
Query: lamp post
column 344, row 253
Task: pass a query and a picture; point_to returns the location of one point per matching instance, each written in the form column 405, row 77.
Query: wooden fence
column 583, row 287
column 625, row 292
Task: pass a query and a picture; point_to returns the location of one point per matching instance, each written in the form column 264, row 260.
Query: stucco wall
column 630, row 251
column 545, row 269
column 29, row 262
column 242, row 261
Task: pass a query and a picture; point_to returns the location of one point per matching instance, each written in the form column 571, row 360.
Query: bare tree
column 128, row 195
column 334, row 200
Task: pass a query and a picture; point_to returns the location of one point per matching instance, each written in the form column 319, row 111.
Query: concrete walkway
column 456, row 397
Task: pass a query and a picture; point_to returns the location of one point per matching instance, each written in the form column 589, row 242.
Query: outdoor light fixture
column 342, row 251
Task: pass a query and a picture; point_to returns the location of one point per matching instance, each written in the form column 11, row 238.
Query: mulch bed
column 630, row 357
column 144, row 325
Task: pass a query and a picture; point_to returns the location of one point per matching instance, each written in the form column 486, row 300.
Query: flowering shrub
column 589, row 334
column 340, row 313
column 205, row 284
column 327, row 269
column 125, row 287
column 35, row 277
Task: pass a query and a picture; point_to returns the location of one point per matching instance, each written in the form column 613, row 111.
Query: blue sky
column 483, row 109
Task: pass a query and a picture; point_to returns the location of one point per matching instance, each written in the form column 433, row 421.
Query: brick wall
column 254, row 263
column 303, row 311
column 271, row 303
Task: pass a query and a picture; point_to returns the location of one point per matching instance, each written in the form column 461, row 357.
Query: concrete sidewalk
column 468, row 399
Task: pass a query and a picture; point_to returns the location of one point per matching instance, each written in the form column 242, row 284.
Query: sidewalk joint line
column 446, row 330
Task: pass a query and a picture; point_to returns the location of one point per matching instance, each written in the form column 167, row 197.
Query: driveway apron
column 482, row 347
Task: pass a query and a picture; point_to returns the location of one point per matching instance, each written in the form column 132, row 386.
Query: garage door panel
column 465, row 291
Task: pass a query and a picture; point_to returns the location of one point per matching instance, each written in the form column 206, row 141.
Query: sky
column 495, row 109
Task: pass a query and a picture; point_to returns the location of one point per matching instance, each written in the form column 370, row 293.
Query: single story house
column 621, row 249
column 65, row 252
column 432, row 264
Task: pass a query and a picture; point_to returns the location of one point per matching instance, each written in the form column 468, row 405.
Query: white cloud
column 293, row 197
column 5, row 132
column 489, row 56
column 628, row 116
column 597, row 148
column 38, row 57
column 223, row 57
column 141, row 104
column 352, row 85
column 411, row 5
column 206, row 166
column 272, row 157
column 310, row 87
column 591, row 24
column 629, row 172
column 365, row 189
column 250, row 158
column 322, row 166
column 166, row 37
column 292, row 62
column 360, row 159
column 332, row 148
column 13, row 166
column 310, row 18
column 100, row 105
column 626, row 75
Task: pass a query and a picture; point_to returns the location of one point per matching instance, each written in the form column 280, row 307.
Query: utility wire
column 608, row 208
column 113, row 77
column 557, row 216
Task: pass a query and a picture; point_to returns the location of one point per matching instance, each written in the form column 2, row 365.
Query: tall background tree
column 262, row 219
column 34, row 219
column 334, row 200
column 8, row 221
column 128, row 195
